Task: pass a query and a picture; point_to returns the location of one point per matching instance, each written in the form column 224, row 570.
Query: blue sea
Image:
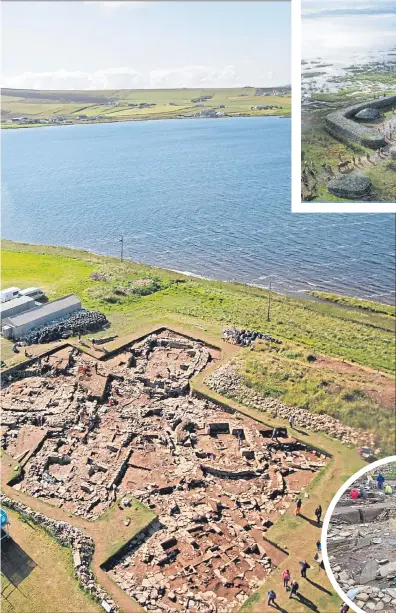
column 209, row 197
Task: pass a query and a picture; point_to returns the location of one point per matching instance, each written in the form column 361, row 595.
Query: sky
column 146, row 44
column 343, row 30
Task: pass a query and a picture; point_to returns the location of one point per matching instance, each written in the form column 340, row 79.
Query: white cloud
column 127, row 78
column 195, row 76
column 113, row 78
column 113, row 5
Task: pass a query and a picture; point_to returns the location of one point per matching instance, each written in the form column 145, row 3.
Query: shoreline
column 80, row 123
column 304, row 295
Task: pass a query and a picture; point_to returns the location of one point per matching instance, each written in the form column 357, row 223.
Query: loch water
column 210, row 197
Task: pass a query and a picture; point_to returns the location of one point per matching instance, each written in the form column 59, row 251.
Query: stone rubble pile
column 81, row 545
column 227, row 381
column 244, row 338
column 80, row 322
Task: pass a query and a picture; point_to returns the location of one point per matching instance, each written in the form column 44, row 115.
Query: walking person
column 286, row 579
column 293, row 589
column 304, row 567
column 298, row 507
column 318, row 513
column 291, row 421
column 271, row 598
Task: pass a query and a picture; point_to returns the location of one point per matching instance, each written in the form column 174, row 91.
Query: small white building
column 18, row 326
column 14, row 307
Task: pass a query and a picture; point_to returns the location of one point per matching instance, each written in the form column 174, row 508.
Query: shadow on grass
column 16, row 564
column 277, row 607
column 300, row 431
column 306, row 602
column 319, row 587
column 313, row 522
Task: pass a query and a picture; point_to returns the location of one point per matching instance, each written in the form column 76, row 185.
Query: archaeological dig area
column 89, row 434
column 361, row 540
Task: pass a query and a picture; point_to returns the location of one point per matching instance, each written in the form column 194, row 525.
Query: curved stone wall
column 342, row 125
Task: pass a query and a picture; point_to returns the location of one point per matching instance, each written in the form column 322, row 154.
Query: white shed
column 21, row 324
column 14, row 307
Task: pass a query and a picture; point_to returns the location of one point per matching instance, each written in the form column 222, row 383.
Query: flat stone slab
column 348, row 515
column 367, row 114
column 369, row 572
column 350, row 186
column 388, row 569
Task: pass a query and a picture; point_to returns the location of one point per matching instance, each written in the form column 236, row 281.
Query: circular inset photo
column 359, row 539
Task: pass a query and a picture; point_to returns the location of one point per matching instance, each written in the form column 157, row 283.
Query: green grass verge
column 361, row 336
column 291, row 374
column 51, row 586
column 358, row 303
column 121, row 526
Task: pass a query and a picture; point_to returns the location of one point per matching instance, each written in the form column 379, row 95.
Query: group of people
column 371, row 483
column 290, row 585
column 318, row 511
column 388, row 130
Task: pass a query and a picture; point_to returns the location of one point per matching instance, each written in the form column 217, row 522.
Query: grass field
column 169, row 103
column 357, row 303
column 131, row 295
column 325, row 386
column 51, row 586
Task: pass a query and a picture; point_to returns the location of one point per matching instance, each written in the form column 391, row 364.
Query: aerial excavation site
column 361, row 540
column 88, row 433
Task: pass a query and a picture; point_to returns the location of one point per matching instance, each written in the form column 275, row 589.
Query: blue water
column 208, row 197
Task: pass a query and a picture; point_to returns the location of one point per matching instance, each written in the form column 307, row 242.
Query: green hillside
column 28, row 107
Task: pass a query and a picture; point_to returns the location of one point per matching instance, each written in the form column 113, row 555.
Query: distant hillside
column 36, row 107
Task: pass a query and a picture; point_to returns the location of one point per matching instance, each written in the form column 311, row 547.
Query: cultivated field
column 123, row 105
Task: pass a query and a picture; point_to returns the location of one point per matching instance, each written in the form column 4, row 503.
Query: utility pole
column 122, row 247
column 269, row 302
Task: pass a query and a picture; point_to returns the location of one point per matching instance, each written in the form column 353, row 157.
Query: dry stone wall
column 227, row 381
column 343, row 126
column 81, row 545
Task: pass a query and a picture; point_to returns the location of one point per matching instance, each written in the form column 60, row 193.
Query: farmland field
column 116, row 105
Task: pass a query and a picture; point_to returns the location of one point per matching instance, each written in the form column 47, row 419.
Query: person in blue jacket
column 380, row 480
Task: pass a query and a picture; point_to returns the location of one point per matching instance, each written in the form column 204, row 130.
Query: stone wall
column 82, row 547
column 227, row 381
column 342, row 125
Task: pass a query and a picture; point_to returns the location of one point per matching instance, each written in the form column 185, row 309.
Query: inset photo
column 359, row 539
column 348, row 105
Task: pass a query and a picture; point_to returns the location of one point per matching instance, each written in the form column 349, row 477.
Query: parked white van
column 9, row 294
column 32, row 292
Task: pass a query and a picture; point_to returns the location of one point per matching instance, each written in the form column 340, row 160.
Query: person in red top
column 354, row 494
column 286, row 578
